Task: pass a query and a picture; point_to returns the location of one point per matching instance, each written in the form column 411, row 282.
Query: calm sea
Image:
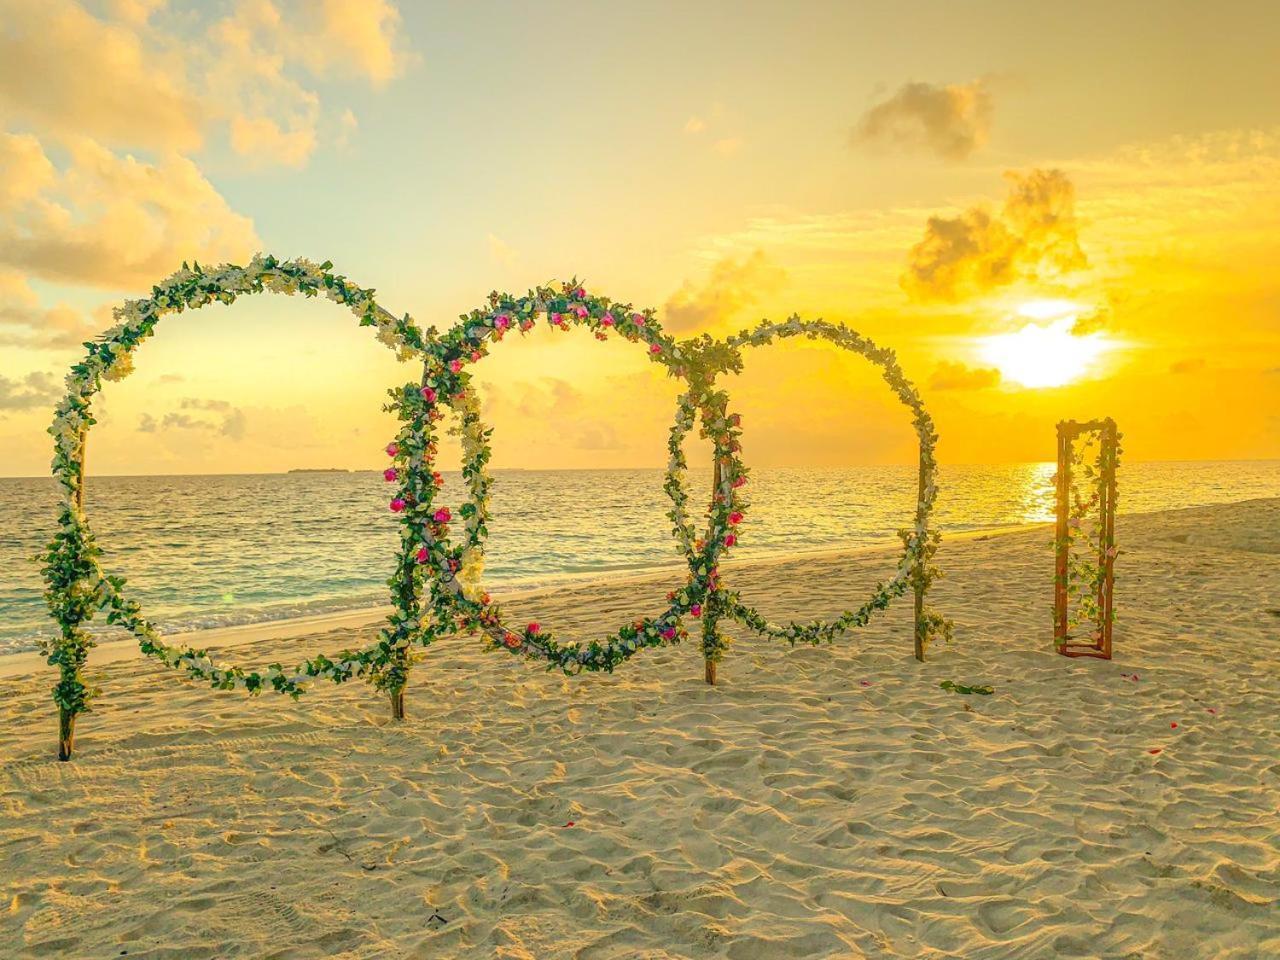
column 209, row 551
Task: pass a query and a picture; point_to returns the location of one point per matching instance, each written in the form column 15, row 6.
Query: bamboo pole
column 712, row 624
column 919, row 578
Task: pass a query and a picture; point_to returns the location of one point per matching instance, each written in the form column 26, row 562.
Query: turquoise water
column 210, row 551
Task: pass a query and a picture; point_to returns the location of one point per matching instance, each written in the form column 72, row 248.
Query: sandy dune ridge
column 828, row 802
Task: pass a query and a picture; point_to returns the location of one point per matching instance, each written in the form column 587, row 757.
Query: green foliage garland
column 919, row 541
column 453, row 563
column 77, row 587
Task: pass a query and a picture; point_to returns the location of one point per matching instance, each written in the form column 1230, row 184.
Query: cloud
column 232, row 423
column 1188, row 365
column 71, row 74
column 695, row 125
column 126, row 81
column 35, row 390
column 25, row 323
column 951, row 121
column 599, row 436
column 731, row 286
column 949, row 375
column 502, row 252
column 1033, row 238
column 112, row 221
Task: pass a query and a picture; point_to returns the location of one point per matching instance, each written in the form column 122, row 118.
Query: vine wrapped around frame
column 456, row 595
column 915, row 570
column 76, row 585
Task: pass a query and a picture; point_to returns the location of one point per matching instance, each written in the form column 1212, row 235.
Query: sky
column 1050, row 212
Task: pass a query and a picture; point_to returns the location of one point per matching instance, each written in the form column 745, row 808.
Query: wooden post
column 66, row 733
column 712, row 623
column 1060, row 598
column 1106, row 544
column 397, row 704
column 919, row 579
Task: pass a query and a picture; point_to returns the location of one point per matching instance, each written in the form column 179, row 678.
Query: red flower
column 730, row 540
column 735, row 517
column 423, row 555
column 511, row 640
column 533, row 629
column 429, row 395
column 397, row 505
column 390, row 474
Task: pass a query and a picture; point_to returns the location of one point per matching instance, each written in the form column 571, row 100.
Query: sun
column 1044, row 354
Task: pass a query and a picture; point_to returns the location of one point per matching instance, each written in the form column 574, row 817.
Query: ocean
column 209, row 551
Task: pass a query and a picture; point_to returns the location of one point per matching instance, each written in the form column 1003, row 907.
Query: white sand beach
column 819, row 802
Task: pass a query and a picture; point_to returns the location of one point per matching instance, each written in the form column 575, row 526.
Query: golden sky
column 1048, row 212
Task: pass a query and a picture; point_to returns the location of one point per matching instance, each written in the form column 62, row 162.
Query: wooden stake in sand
column 1108, row 458
column 711, row 629
column 921, row 581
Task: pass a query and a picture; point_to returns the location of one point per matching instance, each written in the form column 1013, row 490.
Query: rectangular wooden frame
column 1067, row 645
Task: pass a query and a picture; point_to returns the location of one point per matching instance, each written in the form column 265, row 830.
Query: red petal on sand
column 865, row 683
column 1155, row 749
column 569, row 824
column 1173, row 726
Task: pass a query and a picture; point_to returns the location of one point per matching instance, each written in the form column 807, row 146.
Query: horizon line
column 942, row 464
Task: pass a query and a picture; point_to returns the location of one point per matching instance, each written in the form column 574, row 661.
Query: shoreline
column 27, row 662
column 23, row 663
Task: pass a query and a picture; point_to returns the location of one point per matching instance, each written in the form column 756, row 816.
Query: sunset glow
column 1044, row 354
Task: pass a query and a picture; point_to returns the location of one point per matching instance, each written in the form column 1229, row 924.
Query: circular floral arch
column 455, row 564
column 77, row 586
column 914, row 568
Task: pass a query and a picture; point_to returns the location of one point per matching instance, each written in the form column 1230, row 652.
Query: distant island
column 319, row 470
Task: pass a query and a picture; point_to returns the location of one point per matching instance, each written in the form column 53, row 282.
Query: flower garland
column 1089, row 547
column 76, row 585
column 915, row 569
column 452, row 564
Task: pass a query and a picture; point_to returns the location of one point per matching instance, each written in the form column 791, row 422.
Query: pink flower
column 455, row 366
column 579, row 293
column 735, row 518
column 735, row 420
column 607, row 320
column 739, row 481
column 696, row 610
column 669, row 633
column 501, row 322
column 533, row 629
column 423, row 554
column 580, row 311
column 557, row 319
column 638, row 319
column 392, row 449
column 655, row 348
column 443, row 515
column 428, row 395
column 397, row 505
column 390, row 474
column 730, row 540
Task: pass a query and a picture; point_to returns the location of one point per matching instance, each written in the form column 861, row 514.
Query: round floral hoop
column 77, row 586
column 454, row 568
column 914, row 569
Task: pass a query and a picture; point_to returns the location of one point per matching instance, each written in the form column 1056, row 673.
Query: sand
column 828, row 802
